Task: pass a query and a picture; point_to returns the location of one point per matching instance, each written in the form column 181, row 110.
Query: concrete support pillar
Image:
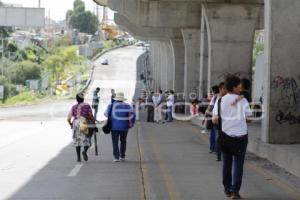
column 170, row 66
column 191, row 39
column 231, row 29
column 164, row 63
column 157, row 62
column 152, row 66
column 178, row 73
column 204, row 88
column 282, row 84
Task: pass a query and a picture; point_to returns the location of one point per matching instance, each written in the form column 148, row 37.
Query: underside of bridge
column 196, row 43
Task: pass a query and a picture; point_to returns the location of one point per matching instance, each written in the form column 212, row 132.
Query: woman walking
column 122, row 119
column 79, row 113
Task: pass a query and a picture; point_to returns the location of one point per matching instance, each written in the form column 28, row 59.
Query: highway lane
column 31, row 137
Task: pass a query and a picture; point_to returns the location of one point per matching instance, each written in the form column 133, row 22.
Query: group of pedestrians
column 83, row 123
column 160, row 106
column 226, row 118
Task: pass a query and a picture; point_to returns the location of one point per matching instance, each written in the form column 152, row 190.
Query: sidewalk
column 285, row 156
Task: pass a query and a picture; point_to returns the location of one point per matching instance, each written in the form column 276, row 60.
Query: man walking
column 232, row 122
column 95, row 102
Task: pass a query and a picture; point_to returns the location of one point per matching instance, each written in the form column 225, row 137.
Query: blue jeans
column 217, row 147
column 212, row 140
column 169, row 113
column 233, row 167
column 119, row 151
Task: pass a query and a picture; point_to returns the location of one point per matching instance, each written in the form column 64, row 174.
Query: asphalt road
column 165, row 161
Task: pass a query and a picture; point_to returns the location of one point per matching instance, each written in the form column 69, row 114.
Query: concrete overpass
column 195, row 43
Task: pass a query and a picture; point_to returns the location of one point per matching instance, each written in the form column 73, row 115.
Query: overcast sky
column 58, row 8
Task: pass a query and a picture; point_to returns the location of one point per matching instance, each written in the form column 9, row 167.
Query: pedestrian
column 208, row 116
column 122, row 117
column 157, row 100
column 170, row 105
column 222, row 92
column 194, row 111
column 150, row 108
column 77, row 117
column 95, row 102
column 113, row 94
column 245, row 91
column 233, row 137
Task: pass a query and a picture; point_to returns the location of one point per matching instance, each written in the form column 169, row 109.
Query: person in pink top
column 78, row 112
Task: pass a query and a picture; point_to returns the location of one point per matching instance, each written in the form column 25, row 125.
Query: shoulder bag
column 107, row 127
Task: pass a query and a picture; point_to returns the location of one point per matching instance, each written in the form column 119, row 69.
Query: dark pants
column 95, row 112
column 150, row 114
column 212, row 140
column 233, row 169
column 119, row 151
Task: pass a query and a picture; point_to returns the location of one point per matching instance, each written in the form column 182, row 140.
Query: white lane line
column 75, row 170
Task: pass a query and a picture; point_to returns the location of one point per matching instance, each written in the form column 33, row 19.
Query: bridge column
column 164, row 67
column 170, row 66
column 178, row 56
column 282, row 83
column 191, row 39
column 152, row 66
column 231, row 29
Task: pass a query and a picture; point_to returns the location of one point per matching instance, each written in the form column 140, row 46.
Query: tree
column 23, row 71
column 84, row 21
column 4, row 31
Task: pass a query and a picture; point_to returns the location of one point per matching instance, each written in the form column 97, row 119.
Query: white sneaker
column 116, row 160
column 122, row 159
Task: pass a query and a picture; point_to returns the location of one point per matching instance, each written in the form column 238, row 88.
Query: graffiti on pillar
column 289, row 92
column 226, row 74
column 288, row 117
column 288, row 102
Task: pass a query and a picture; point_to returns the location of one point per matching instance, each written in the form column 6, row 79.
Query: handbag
column 107, row 126
column 83, row 126
column 209, row 124
column 227, row 144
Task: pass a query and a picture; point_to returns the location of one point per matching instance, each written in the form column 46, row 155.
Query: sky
column 58, row 8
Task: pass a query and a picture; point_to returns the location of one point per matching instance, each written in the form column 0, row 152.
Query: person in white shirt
column 170, row 105
column 157, row 100
column 232, row 122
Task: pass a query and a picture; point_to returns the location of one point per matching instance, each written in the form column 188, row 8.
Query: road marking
column 75, row 170
column 168, row 180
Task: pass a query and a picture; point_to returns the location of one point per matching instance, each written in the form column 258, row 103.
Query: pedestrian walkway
column 165, row 161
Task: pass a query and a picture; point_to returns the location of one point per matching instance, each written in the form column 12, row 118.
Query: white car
column 104, row 62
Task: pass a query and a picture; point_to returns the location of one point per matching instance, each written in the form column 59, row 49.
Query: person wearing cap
column 121, row 114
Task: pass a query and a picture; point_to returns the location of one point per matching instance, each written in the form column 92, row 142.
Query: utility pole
column 2, row 55
column 39, row 3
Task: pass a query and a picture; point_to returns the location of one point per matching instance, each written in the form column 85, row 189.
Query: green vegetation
column 259, row 46
column 79, row 18
column 26, row 97
column 57, row 65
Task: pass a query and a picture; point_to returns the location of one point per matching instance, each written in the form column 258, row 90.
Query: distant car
column 104, row 62
column 139, row 44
